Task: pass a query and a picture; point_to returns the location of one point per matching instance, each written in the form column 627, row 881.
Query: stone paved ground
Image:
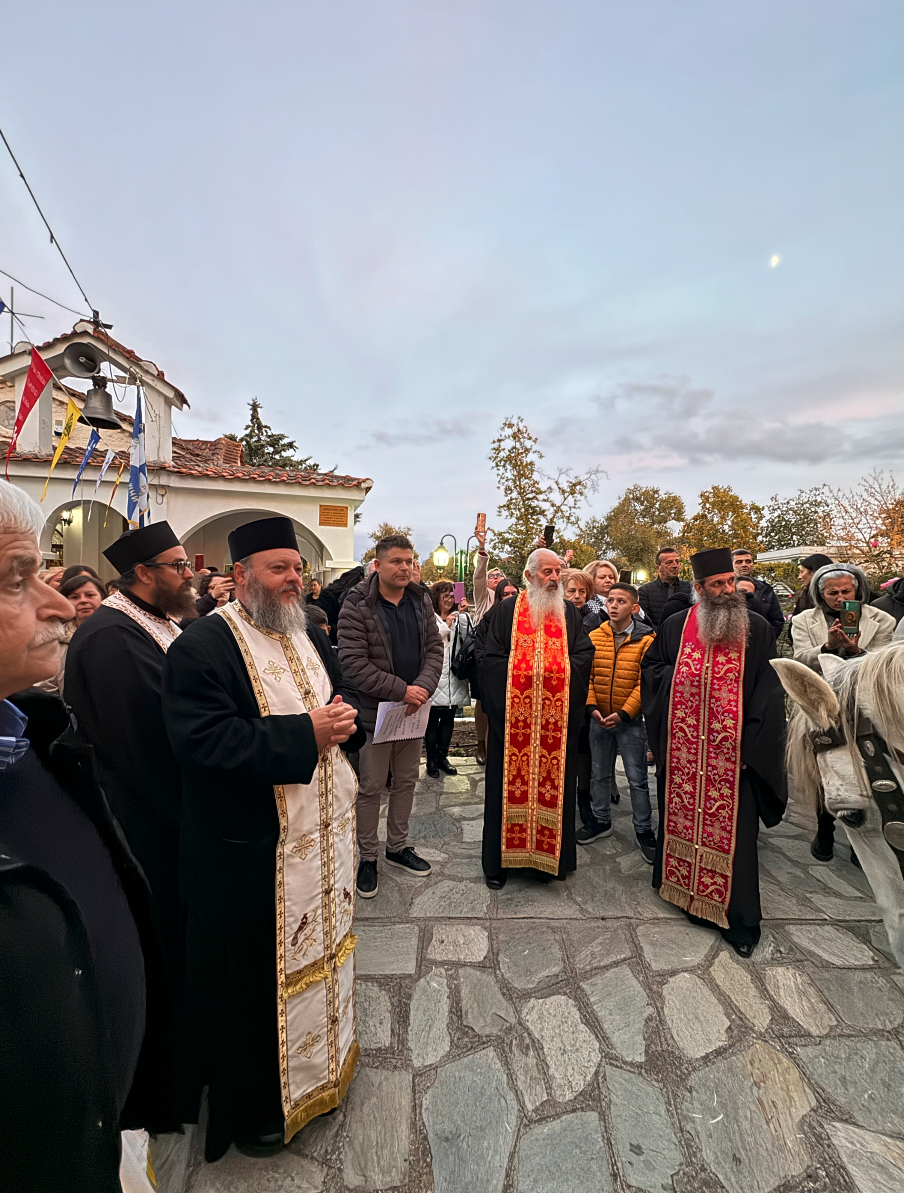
column 582, row 1037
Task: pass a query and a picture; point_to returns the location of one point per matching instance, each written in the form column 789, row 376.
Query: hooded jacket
column 810, row 629
column 892, row 600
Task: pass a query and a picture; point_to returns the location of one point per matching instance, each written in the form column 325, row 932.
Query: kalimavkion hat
column 138, row 546
column 263, row 535
column 716, row 561
column 814, row 562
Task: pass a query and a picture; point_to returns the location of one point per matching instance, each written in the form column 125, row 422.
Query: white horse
column 846, row 751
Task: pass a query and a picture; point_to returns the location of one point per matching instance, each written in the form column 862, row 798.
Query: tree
column 723, row 520
column 804, row 520
column 384, row 530
column 262, row 446
column 643, row 519
column 531, row 497
column 868, row 524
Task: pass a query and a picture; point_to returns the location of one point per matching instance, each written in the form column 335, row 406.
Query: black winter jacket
column 365, row 650
column 653, row 595
column 765, row 602
column 892, row 600
column 58, row 1129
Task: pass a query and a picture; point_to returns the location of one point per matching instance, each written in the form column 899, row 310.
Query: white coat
column 451, row 691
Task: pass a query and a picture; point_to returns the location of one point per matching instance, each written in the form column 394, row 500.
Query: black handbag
column 464, row 661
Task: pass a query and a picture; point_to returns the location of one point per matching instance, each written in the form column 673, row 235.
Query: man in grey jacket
column 390, row 649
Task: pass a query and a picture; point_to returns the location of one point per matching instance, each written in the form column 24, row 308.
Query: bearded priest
column 259, row 719
column 715, row 715
column 534, row 670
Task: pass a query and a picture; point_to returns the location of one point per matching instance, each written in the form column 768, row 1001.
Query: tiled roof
column 83, row 328
column 192, row 463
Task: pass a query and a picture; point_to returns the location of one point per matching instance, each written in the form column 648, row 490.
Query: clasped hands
column 838, row 639
column 333, row 724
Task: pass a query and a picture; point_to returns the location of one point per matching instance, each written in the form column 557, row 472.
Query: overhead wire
column 53, row 239
column 47, row 297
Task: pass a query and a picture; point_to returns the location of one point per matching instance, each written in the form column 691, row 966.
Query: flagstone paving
column 581, row 1036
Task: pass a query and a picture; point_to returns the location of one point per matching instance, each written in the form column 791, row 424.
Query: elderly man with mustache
column 80, row 1018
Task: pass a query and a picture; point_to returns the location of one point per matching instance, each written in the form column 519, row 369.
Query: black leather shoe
column 743, row 950
column 497, row 881
column 432, row 768
column 822, row 847
column 261, row 1146
column 481, row 754
column 446, row 766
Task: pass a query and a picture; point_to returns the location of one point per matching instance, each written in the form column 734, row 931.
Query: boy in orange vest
column 616, row 725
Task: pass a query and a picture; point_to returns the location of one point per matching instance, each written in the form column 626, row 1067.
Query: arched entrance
column 72, row 536
column 210, row 538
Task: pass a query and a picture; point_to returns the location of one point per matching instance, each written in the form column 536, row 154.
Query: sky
column 667, row 235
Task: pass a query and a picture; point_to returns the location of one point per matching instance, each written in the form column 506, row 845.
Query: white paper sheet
column 393, row 723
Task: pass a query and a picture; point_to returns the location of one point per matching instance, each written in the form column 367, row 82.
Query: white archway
column 209, row 537
column 84, row 538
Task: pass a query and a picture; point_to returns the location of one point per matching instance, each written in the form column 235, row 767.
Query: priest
column 114, row 671
column 257, row 711
column 715, row 716
column 534, row 669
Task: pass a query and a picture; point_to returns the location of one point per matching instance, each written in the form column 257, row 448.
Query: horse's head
column 846, row 751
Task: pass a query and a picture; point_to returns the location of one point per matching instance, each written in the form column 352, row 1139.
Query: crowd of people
column 191, row 780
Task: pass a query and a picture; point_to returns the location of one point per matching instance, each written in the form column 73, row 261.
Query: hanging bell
column 98, row 409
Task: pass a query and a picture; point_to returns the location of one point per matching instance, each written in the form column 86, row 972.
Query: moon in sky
column 774, row 260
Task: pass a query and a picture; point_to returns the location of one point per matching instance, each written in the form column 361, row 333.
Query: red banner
column 35, row 384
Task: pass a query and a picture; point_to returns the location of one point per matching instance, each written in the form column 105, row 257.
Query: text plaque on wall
column 334, row 515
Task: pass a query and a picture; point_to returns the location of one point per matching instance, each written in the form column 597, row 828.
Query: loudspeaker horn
column 81, row 360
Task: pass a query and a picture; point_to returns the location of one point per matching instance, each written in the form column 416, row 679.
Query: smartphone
column 228, row 571
column 458, row 591
column 199, row 562
column 549, row 533
column 850, row 618
column 481, row 523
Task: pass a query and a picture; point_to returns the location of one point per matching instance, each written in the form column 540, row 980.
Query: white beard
column 267, row 609
column 544, row 602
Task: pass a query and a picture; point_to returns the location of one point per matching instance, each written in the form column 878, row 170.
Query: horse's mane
column 874, row 684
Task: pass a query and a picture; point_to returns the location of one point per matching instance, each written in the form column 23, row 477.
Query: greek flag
column 93, row 441
column 138, row 511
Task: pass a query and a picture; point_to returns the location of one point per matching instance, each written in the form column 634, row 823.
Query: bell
column 98, row 409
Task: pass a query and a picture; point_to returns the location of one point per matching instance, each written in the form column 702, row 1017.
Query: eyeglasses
column 179, row 564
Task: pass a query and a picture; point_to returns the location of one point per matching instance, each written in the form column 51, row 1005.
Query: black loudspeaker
column 81, row 360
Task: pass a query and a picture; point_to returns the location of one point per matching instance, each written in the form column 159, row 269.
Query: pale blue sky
column 398, row 221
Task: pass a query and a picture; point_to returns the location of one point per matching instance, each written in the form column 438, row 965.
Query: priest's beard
column 180, row 603
column 545, row 602
column 267, row 608
column 723, row 620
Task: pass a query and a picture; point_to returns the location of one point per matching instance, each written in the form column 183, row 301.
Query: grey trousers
column 375, row 761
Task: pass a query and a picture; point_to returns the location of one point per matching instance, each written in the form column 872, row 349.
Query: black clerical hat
column 263, row 535
column 716, row 561
column 138, row 546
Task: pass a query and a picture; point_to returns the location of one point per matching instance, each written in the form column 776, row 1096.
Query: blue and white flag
column 93, row 441
column 2, row 305
column 138, row 511
column 108, row 460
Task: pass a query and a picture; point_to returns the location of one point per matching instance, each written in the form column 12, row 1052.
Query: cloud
column 463, row 426
column 668, row 422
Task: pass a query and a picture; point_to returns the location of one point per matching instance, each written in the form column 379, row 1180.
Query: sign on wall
column 334, row 515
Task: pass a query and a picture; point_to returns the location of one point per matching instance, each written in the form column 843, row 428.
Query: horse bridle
column 885, row 787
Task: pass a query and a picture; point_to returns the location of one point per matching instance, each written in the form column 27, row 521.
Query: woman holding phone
column 451, row 692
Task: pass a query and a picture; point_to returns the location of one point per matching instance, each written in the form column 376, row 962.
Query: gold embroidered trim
column 152, row 626
column 325, row 1098
column 318, row 971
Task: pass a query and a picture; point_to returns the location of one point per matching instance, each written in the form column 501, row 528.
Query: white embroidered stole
column 315, row 881
column 162, row 630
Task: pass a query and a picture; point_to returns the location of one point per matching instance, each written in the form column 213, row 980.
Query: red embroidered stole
column 703, row 768
column 536, row 731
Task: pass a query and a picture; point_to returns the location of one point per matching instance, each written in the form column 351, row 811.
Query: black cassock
column 112, row 682
column 493, row 649
column 231, row 757
column 762, row 792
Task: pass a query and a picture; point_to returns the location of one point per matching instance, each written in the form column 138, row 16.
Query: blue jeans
column 630, row 740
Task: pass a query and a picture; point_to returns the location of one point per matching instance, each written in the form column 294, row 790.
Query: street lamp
column 441, row 554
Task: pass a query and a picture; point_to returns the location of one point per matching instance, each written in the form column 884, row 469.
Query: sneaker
column 407, row 859
column 646, row 843
column 367, row 879
column 593, row 831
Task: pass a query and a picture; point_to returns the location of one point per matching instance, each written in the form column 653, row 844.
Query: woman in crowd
column 579, row 590
column 86, row 595
column 451, row 692
column 79, row 569
column 603, row 574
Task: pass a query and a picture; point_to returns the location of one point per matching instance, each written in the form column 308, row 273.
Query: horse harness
column 886, row 789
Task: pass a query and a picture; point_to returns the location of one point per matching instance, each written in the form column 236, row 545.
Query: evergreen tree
column 264, row 447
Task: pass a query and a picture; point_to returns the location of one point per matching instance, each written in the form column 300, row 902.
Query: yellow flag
column 72, row 416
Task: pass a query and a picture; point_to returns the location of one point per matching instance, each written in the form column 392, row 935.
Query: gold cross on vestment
column 273, row 668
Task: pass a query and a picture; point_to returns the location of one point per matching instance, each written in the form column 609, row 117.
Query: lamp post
column 441, row 554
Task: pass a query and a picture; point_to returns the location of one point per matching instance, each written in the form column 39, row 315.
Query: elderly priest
column 257, row 711
column 534, row 677
column 715, row 715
